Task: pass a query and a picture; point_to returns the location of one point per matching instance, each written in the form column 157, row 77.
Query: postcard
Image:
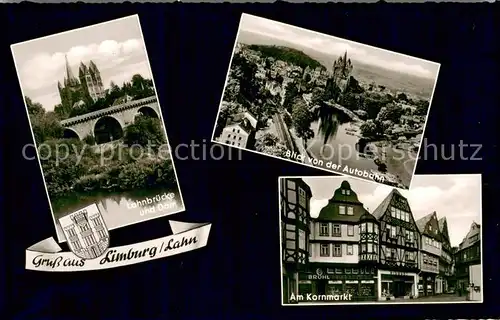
column 326, row 102
column 348, row 241
column 98, row 130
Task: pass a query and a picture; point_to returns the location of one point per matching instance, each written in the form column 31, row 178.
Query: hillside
column 292, row 56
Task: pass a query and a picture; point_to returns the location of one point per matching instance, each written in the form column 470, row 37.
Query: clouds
column 336, row 46
column 456, row 197
column 117, row 61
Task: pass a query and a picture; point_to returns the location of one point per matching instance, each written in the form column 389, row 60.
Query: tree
column 369, row 129
column 269, row 144
column 402, row 97
column 291, row 92
column 45, row 125
column 34, row 108
column 145, row 131
column 390, row 112
column 422, row 108
column 301, row 119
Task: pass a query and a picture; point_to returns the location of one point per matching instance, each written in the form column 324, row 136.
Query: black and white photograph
column 325, row 102
column 344, row 240
column 97, row 124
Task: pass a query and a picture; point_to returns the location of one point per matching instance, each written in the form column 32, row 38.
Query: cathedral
column 85, row 89
column 341, row 71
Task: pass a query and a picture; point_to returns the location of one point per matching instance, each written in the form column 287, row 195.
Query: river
column 119, row 209
column 336, row 139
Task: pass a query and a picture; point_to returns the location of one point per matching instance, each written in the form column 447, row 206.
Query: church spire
column 69, row 74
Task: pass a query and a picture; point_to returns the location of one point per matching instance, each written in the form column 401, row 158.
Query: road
column 283, row 133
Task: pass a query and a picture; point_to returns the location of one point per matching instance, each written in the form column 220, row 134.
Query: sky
column 337, row 46
column 116, row 47
column 456, row 197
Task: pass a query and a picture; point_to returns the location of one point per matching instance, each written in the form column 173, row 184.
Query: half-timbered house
column 295, row 196
column 430, row 252
column 397, row 274
column 467, row 255
column 344, row 249
column 446, row 258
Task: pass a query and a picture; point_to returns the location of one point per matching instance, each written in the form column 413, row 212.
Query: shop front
column 358, row 282
column 396, row 284
column 289, row 285
column 427, row 284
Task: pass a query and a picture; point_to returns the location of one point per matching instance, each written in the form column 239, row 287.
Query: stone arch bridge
column 109, row 121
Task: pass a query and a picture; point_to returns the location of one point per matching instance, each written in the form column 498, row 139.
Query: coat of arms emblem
column 86, row 232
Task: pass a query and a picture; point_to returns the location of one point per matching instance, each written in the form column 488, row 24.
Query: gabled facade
column 430, row 253
column 446, row 258
column 295, row 196
column 343, row 250
column 467, row 255
column 239, row 131
column 399, row 246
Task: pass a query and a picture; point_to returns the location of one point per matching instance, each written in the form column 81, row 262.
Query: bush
column 90, row 140
column 145, row 131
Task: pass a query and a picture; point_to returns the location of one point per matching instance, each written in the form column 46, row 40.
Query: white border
column 136, row 16
column 213, row 139
column 382, row 302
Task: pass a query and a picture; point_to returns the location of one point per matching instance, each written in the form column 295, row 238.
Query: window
column 292, row 196
column 76, row 245
column 324, row 230
column 350, row 231
column 101, row 234
column 311, row 248
column 84, row 227
column 290, row 184
column 72, row 232
column 370, row 248
column 238, row 131
column 97, row 222
column 393, row 253
column 302, row 239
column 407, row 217
column 302, row 197
column 348, row 192
column 228, row 142
column 363, row 227
column 343, row 191
column 363, row 247
column 324, row 250
column 370, row 227
column 239, row 138
column 337, row 250
column 393, row 212
column 393, row 232
column 398, row 214
column 336, row 230
column 342, row 210
column 350, row 211
column 232, row 143
column 234, row 129
column 290, row 244
column 349, row 250
column 239, row 144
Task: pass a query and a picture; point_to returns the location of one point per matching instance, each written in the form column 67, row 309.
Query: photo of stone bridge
column 108, row 124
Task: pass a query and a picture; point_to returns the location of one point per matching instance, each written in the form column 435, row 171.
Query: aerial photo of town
column 326, row 102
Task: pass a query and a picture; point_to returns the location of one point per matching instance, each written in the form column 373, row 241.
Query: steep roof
column 330, row 211
column 468, row 240
column 441, row 223
column 422, row 222
column 241, row 120
column 382, row 207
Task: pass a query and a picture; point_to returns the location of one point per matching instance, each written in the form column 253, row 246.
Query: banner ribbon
column 46, row 255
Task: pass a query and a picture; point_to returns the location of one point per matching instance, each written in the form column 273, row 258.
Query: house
column 240, row 130
column 430, row 253
column 343, row 253
column 397, row 275
column 467, row 255
column 446, row 258
column 295, row 196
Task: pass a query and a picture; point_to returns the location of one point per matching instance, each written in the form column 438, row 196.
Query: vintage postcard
column 326, row 102
column 348, row 241
column 98, row 128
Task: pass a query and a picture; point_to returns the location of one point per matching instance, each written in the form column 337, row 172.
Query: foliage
column 390, row 112
column 287, row 119
column 402, row 97
column 90, row 139
column 353, row 86
column 269, row 144
column 45, row 125
column 301, row 119
column 369, row 129
column 289, row 55
column 145, row 131
column 422, row 108
column 291, row 92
